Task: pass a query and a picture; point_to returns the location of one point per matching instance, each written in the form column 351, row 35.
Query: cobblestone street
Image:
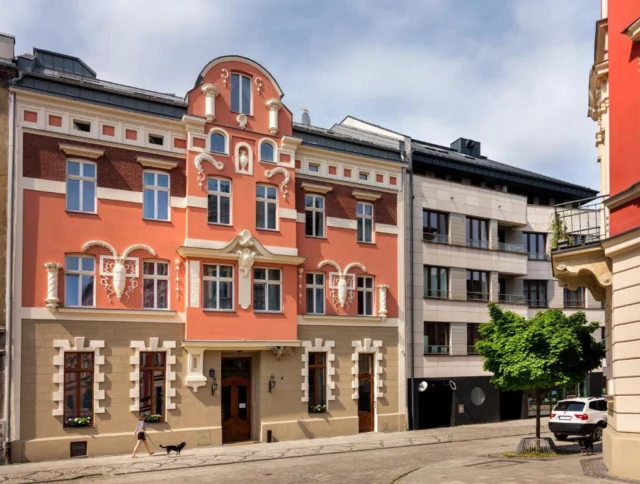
column 454, row 455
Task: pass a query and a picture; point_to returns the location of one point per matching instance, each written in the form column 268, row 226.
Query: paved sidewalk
column 210, row 456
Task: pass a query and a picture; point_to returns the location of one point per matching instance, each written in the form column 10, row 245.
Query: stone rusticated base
column 620, row 453
column 110, row 444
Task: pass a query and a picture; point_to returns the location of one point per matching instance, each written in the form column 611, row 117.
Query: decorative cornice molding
column 367, row 196
column 81, row 151
column 630, row 194
column 274, row 104
column 633, row 31
column 341, row 319
column 210, row 90
column 312, row 187
column 158, row 163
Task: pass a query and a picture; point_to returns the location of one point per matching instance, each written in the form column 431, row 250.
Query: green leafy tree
column 547, row 351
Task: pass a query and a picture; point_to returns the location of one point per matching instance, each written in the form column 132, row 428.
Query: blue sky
column 512, row 74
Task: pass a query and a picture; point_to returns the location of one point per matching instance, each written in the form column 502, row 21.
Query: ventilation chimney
column 306, row 119
column 467, row 147
column 7, row 44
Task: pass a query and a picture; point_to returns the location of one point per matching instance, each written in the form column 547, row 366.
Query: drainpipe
column 408, row 157
column 9, row 280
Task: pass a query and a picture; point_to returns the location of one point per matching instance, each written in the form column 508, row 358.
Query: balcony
column 478, row 296
column 518, row 248
column 436, row 294
column 538, row 303
column 471, row 350
column 478, row 243
column 577, row 257
column 511, row 298
column 435, row 238
column 538, row 256
column 436, row 349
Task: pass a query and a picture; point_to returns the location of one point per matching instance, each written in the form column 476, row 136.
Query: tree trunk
column 538, row 398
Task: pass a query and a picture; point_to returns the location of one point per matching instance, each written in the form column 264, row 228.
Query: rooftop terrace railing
column 579, row 223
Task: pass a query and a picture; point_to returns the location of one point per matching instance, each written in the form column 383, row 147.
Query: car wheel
column 561, row 437
column 597, row 434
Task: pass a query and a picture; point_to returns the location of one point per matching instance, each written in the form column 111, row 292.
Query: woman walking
column 141, row 434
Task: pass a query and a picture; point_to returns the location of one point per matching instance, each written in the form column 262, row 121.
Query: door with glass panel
column 366, row 391
column 236, row 399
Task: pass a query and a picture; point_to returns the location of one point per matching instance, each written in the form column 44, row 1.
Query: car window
column 602, row 405
column 570, row 406
column 594, row 405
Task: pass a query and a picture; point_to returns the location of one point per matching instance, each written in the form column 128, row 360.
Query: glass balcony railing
column 436, row 294
column 435, row 238
column 511, row 247
column 511, row 298
column 537, row 303
column 478, row 243
column 538, row 256
column 436, row 349
column 579, row 223
column 471, row 350
column 477, row 296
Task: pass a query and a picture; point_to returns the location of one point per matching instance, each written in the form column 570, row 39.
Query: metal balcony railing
column 435, row 238
column 436, row 349
column 574, row 304
column 478, row 243
column 579, row 223
column 537, row 303
column 510, row 247
column 471, row 350
column 511, row 298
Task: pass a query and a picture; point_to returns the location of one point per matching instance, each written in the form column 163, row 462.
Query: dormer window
column 156, row 139
column 240, row 94
column 218, row 143
column 267, row 152
column 83, row 126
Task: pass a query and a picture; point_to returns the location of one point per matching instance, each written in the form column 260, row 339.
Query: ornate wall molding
column 382, row 300
column 246, row 257
column 52, row 299
column 287, row 178
column 210, row 92
column 64, row 346
column 243, row 158
column 81, row 151
column 177, row 263
column 274, row 106
column 118, row 268
column 367, row 346
column 194, row 283
column 317, row 346
column 170, row 375
column 160, row 164
column 218, row 165
column 583, row 268
column 342, row 285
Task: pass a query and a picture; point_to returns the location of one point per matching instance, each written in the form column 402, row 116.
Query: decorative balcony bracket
column 583, row 268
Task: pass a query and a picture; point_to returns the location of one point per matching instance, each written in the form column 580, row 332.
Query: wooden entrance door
column 236, row 399
column 366, row 392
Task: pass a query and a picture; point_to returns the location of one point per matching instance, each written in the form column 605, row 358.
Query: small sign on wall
column 242, row 405
column 460, row 408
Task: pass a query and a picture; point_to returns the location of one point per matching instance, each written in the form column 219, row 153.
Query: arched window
column 218, row 143
column 267, row 152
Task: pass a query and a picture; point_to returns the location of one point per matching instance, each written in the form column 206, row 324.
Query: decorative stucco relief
column 64, row 346
column 198, row 164
column 170, row 375
column 287, row 178
column 342, row 285
column 52, row 299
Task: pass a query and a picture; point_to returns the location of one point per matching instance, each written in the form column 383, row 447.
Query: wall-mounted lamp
column 214, row 383
column 272, row 382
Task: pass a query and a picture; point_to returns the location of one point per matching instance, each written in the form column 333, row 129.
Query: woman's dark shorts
column 141, row 436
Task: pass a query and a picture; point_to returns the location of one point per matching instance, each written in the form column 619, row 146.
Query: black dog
column 174, row 448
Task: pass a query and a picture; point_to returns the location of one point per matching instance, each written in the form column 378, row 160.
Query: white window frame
column 222, row 133
column 220, row 194
column 366, row 291
column 313, row 209
column 275, row 152
column 80, row 273
column 240, row 76
column 267, row 201
column 316, row 287
column 155, row 188
column 218, row 279
column 82, row 179
column 365, row 217
column 155, row 277
column 267, row 282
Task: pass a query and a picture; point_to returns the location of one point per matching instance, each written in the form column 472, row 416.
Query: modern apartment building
column 481, row 232
column 201, row 261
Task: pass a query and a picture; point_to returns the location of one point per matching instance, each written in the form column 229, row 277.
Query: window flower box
column 78, row 422
column 153, row 418
column 317, row 408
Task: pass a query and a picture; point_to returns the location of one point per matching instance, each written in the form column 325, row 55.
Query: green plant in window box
column 153, row 418
column 317, row 408
column 78, row 421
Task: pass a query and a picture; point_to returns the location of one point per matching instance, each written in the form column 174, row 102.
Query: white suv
column 578, row 416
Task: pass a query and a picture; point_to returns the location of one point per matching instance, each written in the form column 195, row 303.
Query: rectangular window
column 79, row 280
column 152, row 383
column 155, row 196
column 477, row 286
column 155, row 285
column 267, row 290
column 574, row 299
column 473, row 336
column 240, row 94
column 435, row 226
column 78, row 386
column 436, row 338
column 218, row 287
column 266, row 207
column 365, row 296
column 436, row 282
column 156, row 139
column 314, row 168
column 314, row 215
column 81, row 187
column 535, row 293
column 477, row 233
column 364, row 212
column 219, row 201
column 535, row 245
column 84, row 126
column 315, row 293
column 363, row 176
column 317, row 380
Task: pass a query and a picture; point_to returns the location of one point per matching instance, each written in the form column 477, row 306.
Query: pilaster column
column 52, row 286
column 210, row 92
column 382, row 297
column 195, row 370
column 274, row 106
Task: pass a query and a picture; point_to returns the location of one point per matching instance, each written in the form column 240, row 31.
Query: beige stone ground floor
column 242, row 392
